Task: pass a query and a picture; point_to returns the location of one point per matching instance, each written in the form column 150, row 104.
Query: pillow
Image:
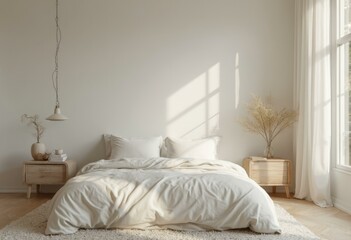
column 163, row 151
column 134, row 147
column 107, row 140
column 202, row 148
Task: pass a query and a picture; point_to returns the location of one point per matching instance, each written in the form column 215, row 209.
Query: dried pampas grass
column 264, row 120
column 34, row 120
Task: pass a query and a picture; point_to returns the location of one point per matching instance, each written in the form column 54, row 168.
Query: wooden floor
column 328, row 223
column 15, row 205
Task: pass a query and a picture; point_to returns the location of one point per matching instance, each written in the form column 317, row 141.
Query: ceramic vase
column 38, row 151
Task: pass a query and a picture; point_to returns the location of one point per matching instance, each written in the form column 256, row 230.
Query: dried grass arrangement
column 34, row 120
column 264, row 120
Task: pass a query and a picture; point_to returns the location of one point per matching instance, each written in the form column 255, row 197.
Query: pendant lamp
column 57, row 116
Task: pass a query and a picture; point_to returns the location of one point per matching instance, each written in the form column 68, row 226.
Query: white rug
column 32, row 226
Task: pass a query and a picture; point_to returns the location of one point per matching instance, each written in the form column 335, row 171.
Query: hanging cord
column 55, row 74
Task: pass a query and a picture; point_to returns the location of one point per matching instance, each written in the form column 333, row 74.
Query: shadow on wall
column 194, row 110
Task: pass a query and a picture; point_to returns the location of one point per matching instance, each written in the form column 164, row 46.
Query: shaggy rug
column 32, row 226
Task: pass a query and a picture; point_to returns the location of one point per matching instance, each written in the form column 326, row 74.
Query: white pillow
column 107, row 140
column 134, row 147
column 202, row 148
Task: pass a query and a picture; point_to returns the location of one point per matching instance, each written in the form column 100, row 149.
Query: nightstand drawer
column 45, row 174
column 269, row 166
column 270, row 177
column 269, row 172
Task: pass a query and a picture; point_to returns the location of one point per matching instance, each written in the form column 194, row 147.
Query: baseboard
column 14, row 190
column 343, row 206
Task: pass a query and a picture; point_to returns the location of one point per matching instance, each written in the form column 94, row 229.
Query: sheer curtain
column 313, row 101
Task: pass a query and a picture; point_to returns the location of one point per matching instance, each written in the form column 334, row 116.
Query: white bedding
column 180, row 194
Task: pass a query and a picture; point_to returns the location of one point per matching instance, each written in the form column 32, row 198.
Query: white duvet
column 157, row 193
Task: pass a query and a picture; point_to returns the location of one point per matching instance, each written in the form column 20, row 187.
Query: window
column 343, row 81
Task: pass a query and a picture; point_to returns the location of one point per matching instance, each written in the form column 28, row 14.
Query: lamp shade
column 57, row 116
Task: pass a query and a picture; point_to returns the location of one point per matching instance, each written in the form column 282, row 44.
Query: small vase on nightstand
column 38, row 150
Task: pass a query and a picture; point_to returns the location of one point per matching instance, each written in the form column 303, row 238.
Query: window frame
column 340, row 148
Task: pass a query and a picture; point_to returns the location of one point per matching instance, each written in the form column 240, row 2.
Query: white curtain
column 313, row 101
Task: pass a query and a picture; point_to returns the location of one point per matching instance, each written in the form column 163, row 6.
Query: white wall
column 141, row 68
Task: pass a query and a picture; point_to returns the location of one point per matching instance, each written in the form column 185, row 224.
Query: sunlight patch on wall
column 213, row 115
column 213, row 78
column 186, row 97
column 237, row 81
column 193, row 110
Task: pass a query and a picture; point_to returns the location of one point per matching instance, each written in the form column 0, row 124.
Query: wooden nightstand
column 46, row 172
column 270, row 172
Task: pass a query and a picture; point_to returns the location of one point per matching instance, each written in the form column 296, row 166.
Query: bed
column 183, row 193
